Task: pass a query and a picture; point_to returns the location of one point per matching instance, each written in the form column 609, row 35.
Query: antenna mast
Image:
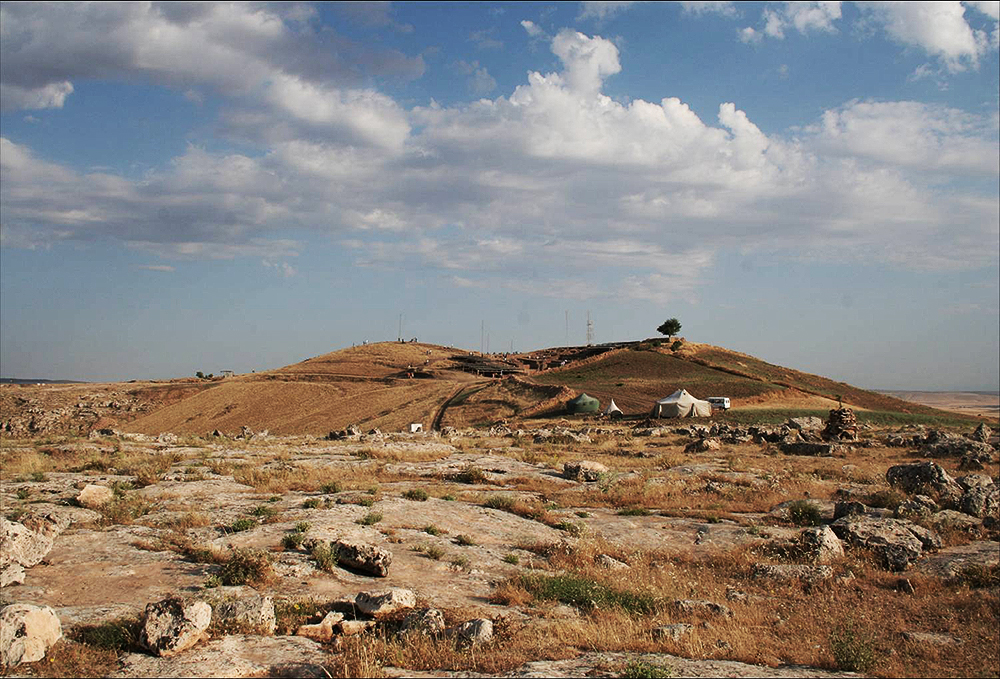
column 590, row 330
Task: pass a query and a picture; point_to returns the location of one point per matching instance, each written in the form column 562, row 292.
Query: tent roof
column 612, row 408
column 681, row 395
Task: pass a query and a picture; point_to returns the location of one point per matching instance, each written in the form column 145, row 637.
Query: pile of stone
column 975, row 494
column 841, row 425
column 351, row 433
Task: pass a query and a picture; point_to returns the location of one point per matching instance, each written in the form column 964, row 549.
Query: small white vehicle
column 718, row 402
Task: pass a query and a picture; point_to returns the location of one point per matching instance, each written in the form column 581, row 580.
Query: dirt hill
column 391, row 384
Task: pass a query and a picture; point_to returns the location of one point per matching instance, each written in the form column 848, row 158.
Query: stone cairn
column 842, row 425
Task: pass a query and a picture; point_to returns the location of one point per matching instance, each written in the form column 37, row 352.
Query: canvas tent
column 613, row 410
column 681, row 404
column 583, row 404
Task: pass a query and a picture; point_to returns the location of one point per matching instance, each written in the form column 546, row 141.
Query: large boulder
column 324, row 629
column 385, row 601
column 23, row 545
column 174, row 625
column 26, row 633
column 785, row 572
column 429, row 621
column 822, row 544
column 474, row 632
column 981, row 497
column 363, row 556
column 982, row 433
column 805, row 423
column 809, row 449
column 925, row 478
column 584, row 470
column 94, row 497
column 953, row 445
column 896, row 542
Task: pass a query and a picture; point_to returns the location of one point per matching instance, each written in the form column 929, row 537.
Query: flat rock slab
column 949, row 562
column 235, row 656
column 612, row 664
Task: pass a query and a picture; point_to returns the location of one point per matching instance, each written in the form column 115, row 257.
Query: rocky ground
column 573, row 550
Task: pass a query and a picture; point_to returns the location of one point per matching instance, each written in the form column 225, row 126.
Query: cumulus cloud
column 805, row 17
column 163, row 268
column 538, row 189
column 938, row 28
column 533, row 29
column 721, row 7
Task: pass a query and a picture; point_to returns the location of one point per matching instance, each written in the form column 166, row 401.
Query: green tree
column 670, row 327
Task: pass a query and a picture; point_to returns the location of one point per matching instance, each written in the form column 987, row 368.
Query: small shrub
column 38, row 477
column 312, row 503
column 853, row 649
column 124, row 510
column 434, row 552
column 979, row 576
column 501, row 502
column 804, row 513
column 461, row 563
column 582, row 514
column 417, row 494
column 116, row 635
column 331, row 488
column 465, row 541
column 448, row 498
column 264, row 512
column 584, row 593
column 367, row 502
column 293, row 540
column 470, row 475
column 433, row 530
column 246, row 566
column 640, row 669
column 325, row 556
column 634, row 511
column 573, row 529
column 370, row 519
column 887, row 498
column 513, row 559
column 23, row 493
column 302, row 527
column 242, row 524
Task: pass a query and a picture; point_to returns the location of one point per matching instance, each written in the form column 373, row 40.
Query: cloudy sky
column 240, row 186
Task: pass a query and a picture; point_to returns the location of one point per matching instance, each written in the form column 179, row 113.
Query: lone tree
column 670, row 327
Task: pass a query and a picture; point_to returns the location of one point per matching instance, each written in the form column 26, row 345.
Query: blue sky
column 240, row 186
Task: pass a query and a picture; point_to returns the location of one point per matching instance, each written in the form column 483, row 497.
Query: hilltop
column 389, row 385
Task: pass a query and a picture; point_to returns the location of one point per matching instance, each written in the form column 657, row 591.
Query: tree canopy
column 670, row 327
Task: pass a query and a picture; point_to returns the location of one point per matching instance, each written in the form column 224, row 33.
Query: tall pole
column 482, row 335
column 400, row 337
column 567, row 328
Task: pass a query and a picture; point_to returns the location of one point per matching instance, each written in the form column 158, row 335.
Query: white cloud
column 285, row 269
column 538, row 189
column 805, row 17
column 50, row 95
column 533, row 29
column 164, row 268
column 938, row 28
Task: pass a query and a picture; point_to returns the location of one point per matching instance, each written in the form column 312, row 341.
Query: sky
column 199, row 187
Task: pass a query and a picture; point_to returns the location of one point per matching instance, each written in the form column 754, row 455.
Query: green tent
column 584, row 404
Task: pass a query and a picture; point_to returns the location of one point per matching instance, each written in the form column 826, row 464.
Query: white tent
column 681, row 404
column 613, row 410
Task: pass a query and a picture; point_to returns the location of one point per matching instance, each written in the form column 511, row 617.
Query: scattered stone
column 953, row 445
column 672, row 632
column 949, row 518
column 584, row 471
column 897, row 542
column 849, row 508
column 733, row 594
column 26, row 633
column 841, row 425
column 786, row 572
column 249, row 615
column 981, row 497
column 822, row 543
column 925, row 478
column 174, row 625
column 918, row 505
column 363, row 556
column 322, row 631
column 691, row 606
column 971, row 463
column 805, row 423
column 474, row 632
column 983, row 434
column 703, row 445
column 383, row 602
column 93, row 497
column 352, row 627
column 429, row 621
column 806, row 448
column 23, row 546
column 610, row 562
